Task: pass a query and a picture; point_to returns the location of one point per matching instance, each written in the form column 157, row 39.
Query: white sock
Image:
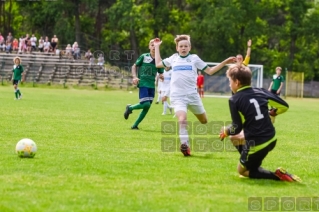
column 183, row 133
column 164, row 107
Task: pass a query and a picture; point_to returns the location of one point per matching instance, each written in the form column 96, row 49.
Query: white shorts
column 191, row 102
column 165, row 92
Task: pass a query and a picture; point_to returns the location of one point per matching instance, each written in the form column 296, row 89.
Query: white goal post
column 218, row 82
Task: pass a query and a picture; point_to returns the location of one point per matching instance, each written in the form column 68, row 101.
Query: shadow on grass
column 265, row 182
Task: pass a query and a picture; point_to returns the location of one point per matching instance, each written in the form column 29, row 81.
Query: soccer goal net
column 218, row 83
column 294, row 84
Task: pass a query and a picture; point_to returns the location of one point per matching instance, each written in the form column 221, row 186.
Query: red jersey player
column 200, row 84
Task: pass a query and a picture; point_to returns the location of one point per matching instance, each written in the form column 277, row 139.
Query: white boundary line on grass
column 217, row 96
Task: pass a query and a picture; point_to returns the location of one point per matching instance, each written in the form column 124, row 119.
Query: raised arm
column 248, row 48
column 247, row 57
column 213, row 70
column 158, row 59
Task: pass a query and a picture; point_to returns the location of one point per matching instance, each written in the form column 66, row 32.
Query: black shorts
column 254, row 161
column 15, row 82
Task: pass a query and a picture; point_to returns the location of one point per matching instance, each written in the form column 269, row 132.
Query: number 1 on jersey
column 257, row 107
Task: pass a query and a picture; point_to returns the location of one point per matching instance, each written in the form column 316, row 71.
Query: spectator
column 76, row 51
column 8, row 46
column 28, row 43
column 2, row 43
column 21, row 44
column 46, row 45
column 88, row 54
column 15, row 45
column 100, row 60
column 33, row 40
column 10, row 37
column 68, row 51
column 41, row 44
column 54, row 43
column 92, row 60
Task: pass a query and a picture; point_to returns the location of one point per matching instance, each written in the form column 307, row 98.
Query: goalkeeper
column 249, row 112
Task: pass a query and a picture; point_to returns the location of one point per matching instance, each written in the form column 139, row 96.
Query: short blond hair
column 14, row 59
column 181, row 38
column 278, row 67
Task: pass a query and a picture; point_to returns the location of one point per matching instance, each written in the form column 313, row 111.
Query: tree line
column 284, row 32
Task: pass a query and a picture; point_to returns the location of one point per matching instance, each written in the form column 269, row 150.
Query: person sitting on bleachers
column 88, row 54
column 22, row 46
column 28, row 43
column 2, row 43
column 100, row 60
column 68, row 51
column 76, row 51
column 91, row 60
column 41, row 44
column 15, row 45
column 8, row 46
column 54, row 43
column 46, row 45
column 33, row 40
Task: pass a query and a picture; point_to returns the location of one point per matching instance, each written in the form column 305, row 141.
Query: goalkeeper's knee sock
column 261, row 173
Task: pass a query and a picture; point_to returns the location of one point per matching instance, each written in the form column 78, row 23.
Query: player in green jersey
column 144, row 78
column 277, row 82
column 17, row 76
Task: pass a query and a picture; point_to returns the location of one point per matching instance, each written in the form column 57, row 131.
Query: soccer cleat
column 134, row 128
column 163, row 114
column 283, row 175
column 20, row 97
column 185, row 150
column 156, row 103
column 127, row 111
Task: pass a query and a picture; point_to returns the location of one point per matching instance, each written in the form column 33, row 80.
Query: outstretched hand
column 157, row 42
column 222, row 134
column 249, row 42
column 231, row 60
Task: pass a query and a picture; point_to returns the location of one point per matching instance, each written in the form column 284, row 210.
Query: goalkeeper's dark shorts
column 252, row 156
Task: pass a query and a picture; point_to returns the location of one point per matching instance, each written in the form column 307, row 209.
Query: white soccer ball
column 26, row 148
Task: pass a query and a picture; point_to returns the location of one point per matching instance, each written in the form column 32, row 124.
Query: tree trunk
column 98, row 26
column 77, row 22
column 1, row 15
column 156, row 31
column 134, row 45
column 10, row 28
column 292, row 51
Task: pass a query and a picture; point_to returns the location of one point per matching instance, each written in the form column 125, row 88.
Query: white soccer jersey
column 184, row 73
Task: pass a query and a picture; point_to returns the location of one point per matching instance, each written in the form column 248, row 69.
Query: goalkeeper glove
column 223, row 133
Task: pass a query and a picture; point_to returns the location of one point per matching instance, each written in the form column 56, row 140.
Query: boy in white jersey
column 183, row 91
column 165, row 89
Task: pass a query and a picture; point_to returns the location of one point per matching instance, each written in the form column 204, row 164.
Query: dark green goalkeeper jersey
column 17, row 72
column 147, row 70
column 249, row 111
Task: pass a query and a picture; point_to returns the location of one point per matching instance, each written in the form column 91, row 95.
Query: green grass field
column 89, row 159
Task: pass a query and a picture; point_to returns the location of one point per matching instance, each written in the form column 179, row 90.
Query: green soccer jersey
column 17, row 72
column 277, row 80
column 147, row 70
